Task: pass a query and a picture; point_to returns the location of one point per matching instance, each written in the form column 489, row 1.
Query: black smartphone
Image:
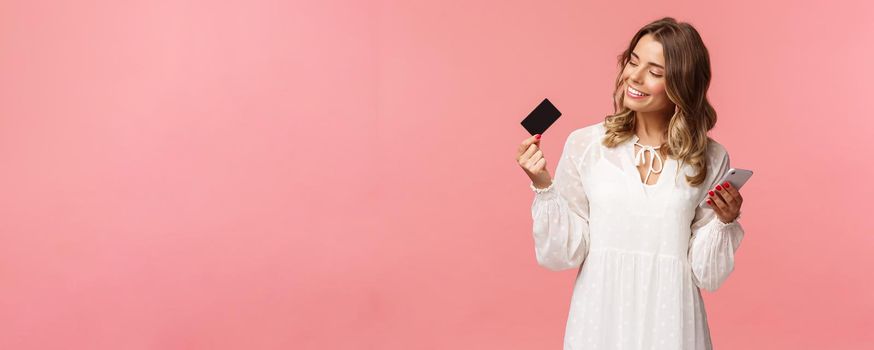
column 544, row 115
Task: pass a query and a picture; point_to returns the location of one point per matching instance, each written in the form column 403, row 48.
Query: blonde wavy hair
column 687, row 73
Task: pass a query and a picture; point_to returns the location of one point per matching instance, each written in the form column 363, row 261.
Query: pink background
column 339, row 174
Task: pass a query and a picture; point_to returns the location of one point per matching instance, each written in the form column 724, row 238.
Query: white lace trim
column 542, row 190
column 721, row 225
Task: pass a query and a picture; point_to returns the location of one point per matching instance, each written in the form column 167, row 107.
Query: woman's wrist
column 541, row 188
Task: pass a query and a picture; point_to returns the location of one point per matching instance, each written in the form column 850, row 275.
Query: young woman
column 642, row 243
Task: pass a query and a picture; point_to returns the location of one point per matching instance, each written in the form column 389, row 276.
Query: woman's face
column 645, row 72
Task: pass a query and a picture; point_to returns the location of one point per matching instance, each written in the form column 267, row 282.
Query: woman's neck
column 651, row 126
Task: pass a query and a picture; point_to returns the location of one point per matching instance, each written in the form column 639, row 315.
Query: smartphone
column 736, row 177
column 541, row 118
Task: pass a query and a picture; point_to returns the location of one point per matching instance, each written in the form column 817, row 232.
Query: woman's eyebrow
column 654, row 64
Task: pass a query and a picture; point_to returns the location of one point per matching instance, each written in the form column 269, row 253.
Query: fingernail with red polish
column 711, row 193
column 718, row 188
column 537, row 136
column 708, row 202
column 725, row 185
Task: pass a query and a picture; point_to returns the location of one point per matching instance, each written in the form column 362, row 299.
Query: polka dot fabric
column 642, row 251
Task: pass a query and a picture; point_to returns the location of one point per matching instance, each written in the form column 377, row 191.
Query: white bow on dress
column 638, row 159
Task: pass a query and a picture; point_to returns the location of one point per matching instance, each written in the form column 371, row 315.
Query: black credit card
column 541, row 117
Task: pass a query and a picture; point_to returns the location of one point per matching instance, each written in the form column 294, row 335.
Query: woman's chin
column 632, row 107
column 645, row 109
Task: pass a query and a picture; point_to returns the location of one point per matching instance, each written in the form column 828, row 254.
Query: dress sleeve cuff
column 542, row 190
column 721, row 225
column 544, row 193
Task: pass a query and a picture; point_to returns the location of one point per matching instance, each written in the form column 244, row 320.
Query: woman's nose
column 636, row 75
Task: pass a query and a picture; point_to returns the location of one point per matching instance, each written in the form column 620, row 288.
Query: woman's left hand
column 725, row 201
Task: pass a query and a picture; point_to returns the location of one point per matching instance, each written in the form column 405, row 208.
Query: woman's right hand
column 530, row 158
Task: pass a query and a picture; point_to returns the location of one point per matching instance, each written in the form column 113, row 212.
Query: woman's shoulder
column 587, row 134
column 716, row 152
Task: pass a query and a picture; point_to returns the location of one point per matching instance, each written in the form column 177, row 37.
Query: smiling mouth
column 635, row 93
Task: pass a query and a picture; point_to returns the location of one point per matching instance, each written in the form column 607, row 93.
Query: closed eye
column 650, row 72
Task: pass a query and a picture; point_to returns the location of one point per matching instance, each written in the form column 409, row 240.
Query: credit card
column 541, row 118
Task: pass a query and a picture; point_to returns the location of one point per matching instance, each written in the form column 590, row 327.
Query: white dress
column 642, row 251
